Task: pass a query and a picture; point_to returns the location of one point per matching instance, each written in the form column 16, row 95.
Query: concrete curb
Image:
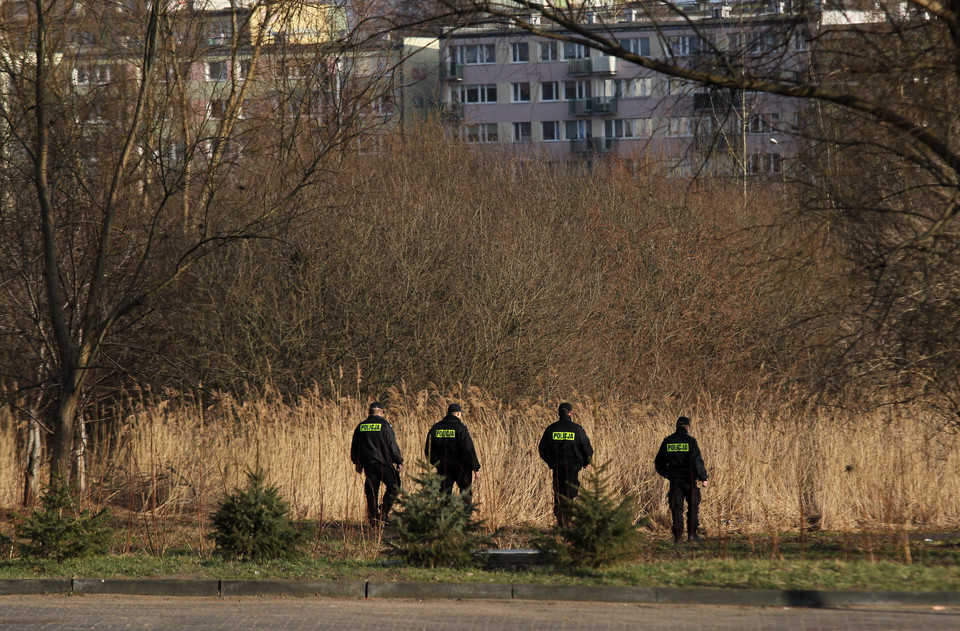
column 214, row 588
column 293, row 588
column 148, row 586
column 491, row 591
column 11, row 586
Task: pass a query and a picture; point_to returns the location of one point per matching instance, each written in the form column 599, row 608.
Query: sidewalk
column 222, row 588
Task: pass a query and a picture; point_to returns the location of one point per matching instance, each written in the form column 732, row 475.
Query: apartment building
column 532, row 95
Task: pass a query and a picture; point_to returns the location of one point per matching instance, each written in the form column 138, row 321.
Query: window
column 632, row 88
column 485, row 93
column 91, row 75
column 520, row 52
column 764, row 163
column 637, row 45
column 763, row 123
column 627, row 128
column 549, row 91
column 520, row 92
column 474, row 54
column 551, row 130
column 217, row 109
column 218, row 34
column 577, row 130
column 573, row 90
column 799, row 41
column 481, row 132
column 679, row 87
column 216, row 71
column 683, row 45
column 243, row 69
column 678, row 126
column 548, row 51
column 521, row 132
column 572, row 50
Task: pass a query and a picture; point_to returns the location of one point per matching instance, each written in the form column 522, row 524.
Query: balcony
column 596, row 105
column 716, row 100
column 592, row 65
column 592, row 146
column 451, row 71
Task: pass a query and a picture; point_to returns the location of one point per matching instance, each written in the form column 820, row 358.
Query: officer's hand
column 705, row 484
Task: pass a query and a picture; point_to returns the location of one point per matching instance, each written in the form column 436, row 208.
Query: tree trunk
column 32, row 471
column 64, row 429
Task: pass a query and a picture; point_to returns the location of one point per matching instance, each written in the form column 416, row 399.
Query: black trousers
column 684, row 491
column 377, row 473
column 462, row 478
column 566, row 487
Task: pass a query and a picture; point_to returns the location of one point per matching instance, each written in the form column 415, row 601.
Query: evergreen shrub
column 433, row 528
column 59, row 529
column 253, row 523
column 602, row 530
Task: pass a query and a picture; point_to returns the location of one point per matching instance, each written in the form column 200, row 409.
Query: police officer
column 450, row 449
column 680, row 462
column 374, row 451
column 566, row 449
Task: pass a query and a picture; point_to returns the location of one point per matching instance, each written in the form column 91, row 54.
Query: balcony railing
column 595, row 105
column 592, row 65
column 451, row 71
column 593, row 146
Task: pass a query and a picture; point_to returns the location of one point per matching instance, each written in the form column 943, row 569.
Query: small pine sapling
column 253, row 523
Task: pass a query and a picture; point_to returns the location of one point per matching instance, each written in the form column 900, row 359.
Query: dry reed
column 771, row 469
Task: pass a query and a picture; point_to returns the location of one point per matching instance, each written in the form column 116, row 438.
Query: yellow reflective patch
column 564, row 436
column 369, row 427
column 678, row 446
column 445, row 433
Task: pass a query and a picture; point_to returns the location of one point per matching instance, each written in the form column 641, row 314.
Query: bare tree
column 874, row 148
column 136, row 139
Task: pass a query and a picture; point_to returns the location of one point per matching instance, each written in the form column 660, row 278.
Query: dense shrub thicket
column 431, row 265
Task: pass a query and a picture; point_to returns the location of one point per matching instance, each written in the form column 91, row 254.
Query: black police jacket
column 679, row 458
column 564, row 445
column 374, row 442
column 449, row 446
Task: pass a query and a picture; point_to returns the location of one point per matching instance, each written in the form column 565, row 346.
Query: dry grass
column 772, row 469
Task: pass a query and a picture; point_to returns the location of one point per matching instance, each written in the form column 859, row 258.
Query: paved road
column 126, row 613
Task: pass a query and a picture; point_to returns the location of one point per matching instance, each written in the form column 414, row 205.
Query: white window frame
column 519, row 52
column 636, row 88
column 556, row 91
column 208, row 67
column 582, row 90
column 636, row 45
column 549, row 51
column 485, row 93
column 555, row 125
column 98, row 74
column 518, row 131
column 584, row 129
column 517, row 92
column 574, row 50
column 480, row 133
column 474, row 54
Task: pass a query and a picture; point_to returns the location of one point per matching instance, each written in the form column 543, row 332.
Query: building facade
column 533, row 95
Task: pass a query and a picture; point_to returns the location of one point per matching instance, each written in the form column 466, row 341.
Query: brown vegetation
column 773, row 466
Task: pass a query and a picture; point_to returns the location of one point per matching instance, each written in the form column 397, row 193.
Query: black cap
column 683, row 421
column 454, row 407
column 565, row 408
column 376, row 405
